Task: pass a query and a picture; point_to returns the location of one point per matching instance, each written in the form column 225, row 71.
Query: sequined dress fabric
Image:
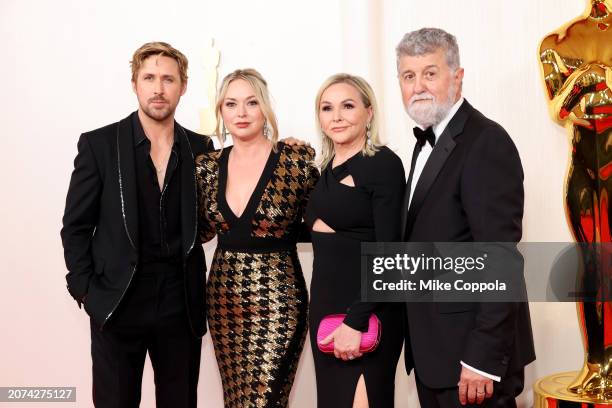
column 256, row 293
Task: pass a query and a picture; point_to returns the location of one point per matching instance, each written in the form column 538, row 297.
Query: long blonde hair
column 260, row 87
column 371, row 146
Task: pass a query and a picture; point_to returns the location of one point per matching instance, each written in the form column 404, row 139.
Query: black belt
column 257, row 247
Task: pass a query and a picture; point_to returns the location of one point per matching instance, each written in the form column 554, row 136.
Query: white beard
column 430, row 114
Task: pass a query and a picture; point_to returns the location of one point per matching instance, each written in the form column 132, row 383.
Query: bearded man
column 465, row 185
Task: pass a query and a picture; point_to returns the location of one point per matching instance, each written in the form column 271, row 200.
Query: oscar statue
column 576, row 63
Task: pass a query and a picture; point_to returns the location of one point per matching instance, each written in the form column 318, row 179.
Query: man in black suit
column 131, row 245
column 465, row 184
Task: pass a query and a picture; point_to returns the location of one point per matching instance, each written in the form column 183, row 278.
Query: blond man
column 130, row 240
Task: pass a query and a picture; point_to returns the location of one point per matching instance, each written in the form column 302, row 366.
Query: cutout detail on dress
column 320, row 226
column 348, row 181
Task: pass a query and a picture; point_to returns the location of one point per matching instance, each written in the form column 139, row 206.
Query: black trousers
column 151, row 318
column 504, row 394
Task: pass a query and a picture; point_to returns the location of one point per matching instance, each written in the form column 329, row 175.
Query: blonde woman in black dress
column 357, row 199
column 252, row 195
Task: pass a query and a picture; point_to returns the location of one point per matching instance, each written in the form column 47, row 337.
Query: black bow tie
column 423, row 136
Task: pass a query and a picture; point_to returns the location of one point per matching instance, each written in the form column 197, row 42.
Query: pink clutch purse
column 369, row 339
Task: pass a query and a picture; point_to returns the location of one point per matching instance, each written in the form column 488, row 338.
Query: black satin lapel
column 127, row 179
column 415, row 153
column 434, row 164
column 443, row 149
column 189, row 202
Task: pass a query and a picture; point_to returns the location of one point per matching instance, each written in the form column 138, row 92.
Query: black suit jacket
column 471, row 189
column 100, row 224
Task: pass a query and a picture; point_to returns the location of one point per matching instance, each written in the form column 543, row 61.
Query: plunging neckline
column 257, row 193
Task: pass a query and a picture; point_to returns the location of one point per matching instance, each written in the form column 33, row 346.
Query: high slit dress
column 256, row 294
column 369, row 211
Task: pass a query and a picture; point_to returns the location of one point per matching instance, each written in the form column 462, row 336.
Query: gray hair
column 427, row 41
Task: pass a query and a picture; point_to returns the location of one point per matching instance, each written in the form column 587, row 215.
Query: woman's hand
column 346, row 342
column 292, row 141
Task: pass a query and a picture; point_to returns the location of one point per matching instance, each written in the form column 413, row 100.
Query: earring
column 224, row 131
column 266, row 130
column 368, row 134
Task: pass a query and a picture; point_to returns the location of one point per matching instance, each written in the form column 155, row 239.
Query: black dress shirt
column 159, row 210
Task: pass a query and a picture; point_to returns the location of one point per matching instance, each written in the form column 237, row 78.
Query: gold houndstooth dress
column 256, row 293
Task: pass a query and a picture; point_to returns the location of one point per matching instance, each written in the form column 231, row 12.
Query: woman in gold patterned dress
column 252, row 196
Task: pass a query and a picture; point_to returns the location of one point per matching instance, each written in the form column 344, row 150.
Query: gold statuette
column 576, row 63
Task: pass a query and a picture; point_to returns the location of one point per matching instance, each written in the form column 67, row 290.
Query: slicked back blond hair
column 260, row 87
column 160, row 49
column 366, row 93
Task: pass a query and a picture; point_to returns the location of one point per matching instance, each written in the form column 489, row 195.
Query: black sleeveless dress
column 256, row 293
column 370, row 211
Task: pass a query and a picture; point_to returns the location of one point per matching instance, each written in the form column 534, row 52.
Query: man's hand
column 346, row 342
column 292, row 141
column 473, row 387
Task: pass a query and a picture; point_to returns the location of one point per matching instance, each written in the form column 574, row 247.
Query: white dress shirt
column 418, row 169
